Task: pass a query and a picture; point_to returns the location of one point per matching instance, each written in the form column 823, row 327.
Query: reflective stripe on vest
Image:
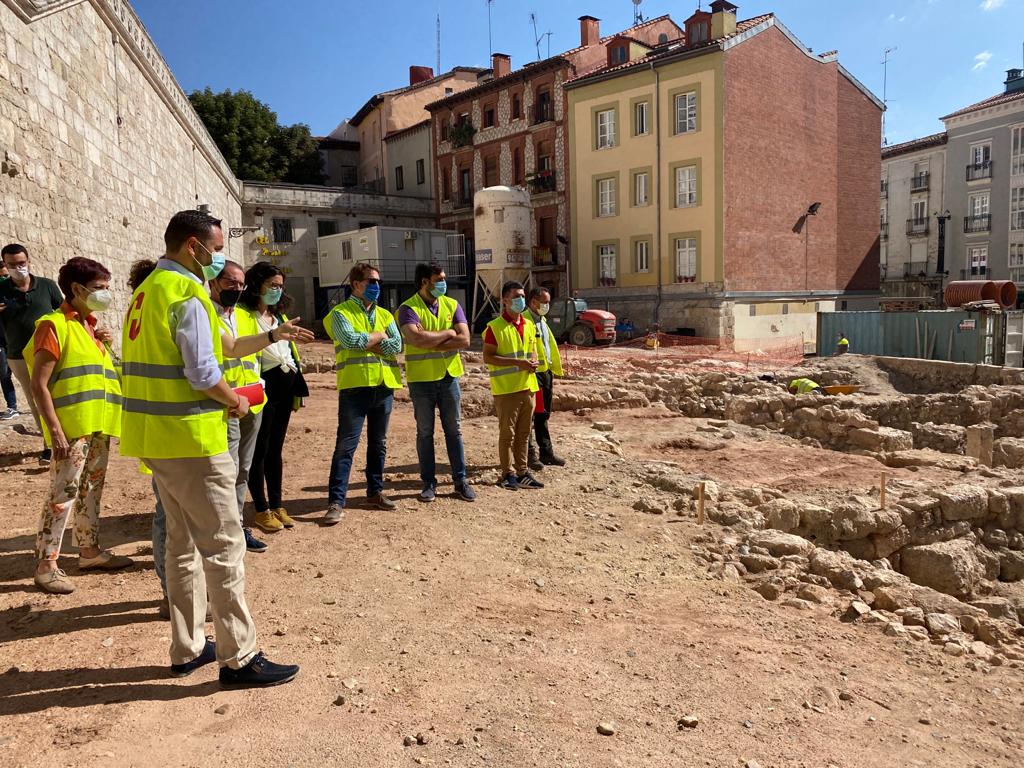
column 84, row 386
column 359, row 367
column 164, row 418
column 510, row 379
column 242, row 371
column 555, row 363
column 431, row 365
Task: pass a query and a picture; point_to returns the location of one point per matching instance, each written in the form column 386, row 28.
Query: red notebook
column 251, row 392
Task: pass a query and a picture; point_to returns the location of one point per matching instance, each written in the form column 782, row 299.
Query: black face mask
column 230, row 297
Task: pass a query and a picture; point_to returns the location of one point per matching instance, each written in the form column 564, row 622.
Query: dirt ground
column 503, row 632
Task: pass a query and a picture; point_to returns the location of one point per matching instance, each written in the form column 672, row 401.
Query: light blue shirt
column 545, row 333
column 191, row 327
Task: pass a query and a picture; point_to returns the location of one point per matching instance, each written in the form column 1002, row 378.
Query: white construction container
column 503, row 241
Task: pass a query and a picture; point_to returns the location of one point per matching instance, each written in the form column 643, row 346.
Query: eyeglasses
column 373, row 280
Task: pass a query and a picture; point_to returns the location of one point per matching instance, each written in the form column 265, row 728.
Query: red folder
column 251, row 392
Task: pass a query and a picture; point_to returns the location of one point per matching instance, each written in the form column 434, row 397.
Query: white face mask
column 19, row 274
column 99, row 300
column 543, row 309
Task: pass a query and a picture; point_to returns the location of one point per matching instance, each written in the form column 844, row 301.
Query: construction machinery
column 573, row 322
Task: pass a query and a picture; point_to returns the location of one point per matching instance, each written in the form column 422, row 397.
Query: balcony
column 979, row 223
column 544, row 112
column 885, row 189
column 917, row 227
column 883, row 230
column 542, row 182
column 544, row 256
column 977, row 171
column 968, row 274
column 915, row 269
column 919, row 183
column 461, row 134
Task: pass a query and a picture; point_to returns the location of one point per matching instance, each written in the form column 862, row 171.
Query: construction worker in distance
column 510, row 352
column 434, row 328
column 843, row 345
column 367, row 343
column 805, row 387
column 175, row 409
column 651, row 342
column 550, row 365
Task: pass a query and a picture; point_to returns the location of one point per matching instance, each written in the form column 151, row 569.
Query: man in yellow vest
column 366, row 347
column 805, row 387
column 175, row 408
column 434, row 328
column 550, row 359
column 843, row 345
column 510, row 352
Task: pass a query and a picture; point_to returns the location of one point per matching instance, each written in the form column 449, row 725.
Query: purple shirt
column 408, row 316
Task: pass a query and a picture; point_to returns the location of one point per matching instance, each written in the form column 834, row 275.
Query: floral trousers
column 76, row 483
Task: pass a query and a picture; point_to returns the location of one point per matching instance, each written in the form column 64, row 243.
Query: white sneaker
column 8, row 414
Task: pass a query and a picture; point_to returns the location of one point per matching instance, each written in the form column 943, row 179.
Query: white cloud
column 892, row 16
column 902, row 18
column 991, row 5
column 981, row 61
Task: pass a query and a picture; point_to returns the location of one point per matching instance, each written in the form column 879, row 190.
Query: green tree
column 255, row 145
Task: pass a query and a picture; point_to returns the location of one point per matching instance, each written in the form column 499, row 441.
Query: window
column 546, row 232
column 977, row 257
column 465, row 187
column 445, row 127
column 640, row 188
column 1017, row 151
column 1016, row 209
column 325, row 227
column 346, row 250
column 489, row 116
column 686, row 112
column 283, row 231
column 920, row 210
column 399, row 178
column 640, row 118
column 981, row 155
column 643, row 256
column 1017, row 262
column 606, row 267
column 517, row 166
column 686, row 186
column 697, row 33
column 606, row 128
column 606, row 197
column 753, row 310
column 517, row 106
column 491, row 171
column 977, row 205
column 686, row 259
column 446, row 184
column 785, row 309
column 449, row 91
column 618, row 55
column 544, row 155
column 543, row 111
column 421, row 172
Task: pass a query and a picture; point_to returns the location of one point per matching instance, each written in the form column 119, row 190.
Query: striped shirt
column 349, row 338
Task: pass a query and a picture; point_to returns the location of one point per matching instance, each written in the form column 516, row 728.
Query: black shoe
column 529, row 481
column 508, row 482
column 208, row 656
column 258, row 673
column 380, row 501
column 428, row 494
column 552, row 460
column 533, row 460
column 45, row 457
column 252, row 544
column 465, row 492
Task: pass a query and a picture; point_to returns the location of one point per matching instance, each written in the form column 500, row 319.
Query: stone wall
column 98, row 142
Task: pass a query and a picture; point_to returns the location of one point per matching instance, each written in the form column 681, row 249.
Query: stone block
column 778, row 543
column 881, row 439
column 963, row 502
column 1011, row 566
column 952, row 567
column 781, row 514
column 1008, row 452
column 979, row 445
column 946, row 438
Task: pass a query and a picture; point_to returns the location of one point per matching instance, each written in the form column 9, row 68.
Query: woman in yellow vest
column 78, row 392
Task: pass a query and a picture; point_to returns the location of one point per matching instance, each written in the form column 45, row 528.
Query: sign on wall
column 484, row 256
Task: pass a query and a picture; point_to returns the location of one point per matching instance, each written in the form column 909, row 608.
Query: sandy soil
column 503, row 631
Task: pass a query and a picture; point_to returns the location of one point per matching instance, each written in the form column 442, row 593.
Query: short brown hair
column 361, row 271
column 79, row 270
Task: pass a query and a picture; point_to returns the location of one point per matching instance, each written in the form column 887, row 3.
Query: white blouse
column 278, row 354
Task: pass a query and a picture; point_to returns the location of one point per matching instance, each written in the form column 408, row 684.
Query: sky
column 319, row 66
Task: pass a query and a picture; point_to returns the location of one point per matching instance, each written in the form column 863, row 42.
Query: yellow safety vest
column 431, row 364
column 164, row 418
column 555, row 363
column 844, row 342
column 804, row 386
column 84, row 385
column 360, row 367
column 505, row 381
column 242, row 371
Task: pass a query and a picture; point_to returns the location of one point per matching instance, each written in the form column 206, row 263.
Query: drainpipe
column 657, row 185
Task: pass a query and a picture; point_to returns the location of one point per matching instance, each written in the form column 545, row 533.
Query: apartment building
column 511, row 130
column 724, row 184
column 913, row 220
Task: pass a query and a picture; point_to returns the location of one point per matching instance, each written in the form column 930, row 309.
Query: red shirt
column 517, row 322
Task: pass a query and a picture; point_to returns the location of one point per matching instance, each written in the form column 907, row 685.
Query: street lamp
column 239, row 231
column 812, row 210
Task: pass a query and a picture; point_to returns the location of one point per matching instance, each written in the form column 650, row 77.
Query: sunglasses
column 373, row 281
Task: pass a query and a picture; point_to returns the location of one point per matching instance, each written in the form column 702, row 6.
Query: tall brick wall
column 795, row 134
column 85, row 185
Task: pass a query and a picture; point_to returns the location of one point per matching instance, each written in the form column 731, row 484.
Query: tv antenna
column 490, row 45
column 885, row 83
column 537, row 38
column 438, row 70
column 638, row 17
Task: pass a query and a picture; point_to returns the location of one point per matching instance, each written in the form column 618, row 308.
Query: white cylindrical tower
column 502, row 240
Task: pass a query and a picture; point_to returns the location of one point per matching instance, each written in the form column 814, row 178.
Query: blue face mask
column 518, row 305
column 372, row 292
column 215, row 267
column 272, row 296
column 440, row 289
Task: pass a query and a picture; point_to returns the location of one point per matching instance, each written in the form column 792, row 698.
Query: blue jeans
column 445, row 396
column 372, row 405
column 7, row 382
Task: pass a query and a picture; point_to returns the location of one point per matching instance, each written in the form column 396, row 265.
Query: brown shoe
column 380, row 501
column 104, row 561
column 335, row 513
column 283, row 517
column 55, row 582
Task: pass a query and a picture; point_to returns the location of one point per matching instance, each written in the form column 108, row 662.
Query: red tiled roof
column 935, row 140
column 999, row 98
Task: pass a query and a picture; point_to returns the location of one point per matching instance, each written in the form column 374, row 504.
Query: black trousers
column 546, row 381
column 267, row 468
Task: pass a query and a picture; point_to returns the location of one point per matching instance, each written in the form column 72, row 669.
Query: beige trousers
column 515, row 420
column 20, row 370
column 205, row 552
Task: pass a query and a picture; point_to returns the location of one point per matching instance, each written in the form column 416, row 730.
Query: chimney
column 501, row 64
column 590, row 31
column 1014, row 80
column 420, row 74
column 723, row 19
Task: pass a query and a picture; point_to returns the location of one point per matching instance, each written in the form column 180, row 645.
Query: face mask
column 518, row 305
column 229, row 297
column 543, row 309
column 440, row 289
column 99, row 300
column 215, row 267
column 19, row 274
column 372, row 292
column 272, row 296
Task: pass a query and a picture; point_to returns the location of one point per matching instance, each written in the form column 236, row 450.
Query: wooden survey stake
column 700, row 504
